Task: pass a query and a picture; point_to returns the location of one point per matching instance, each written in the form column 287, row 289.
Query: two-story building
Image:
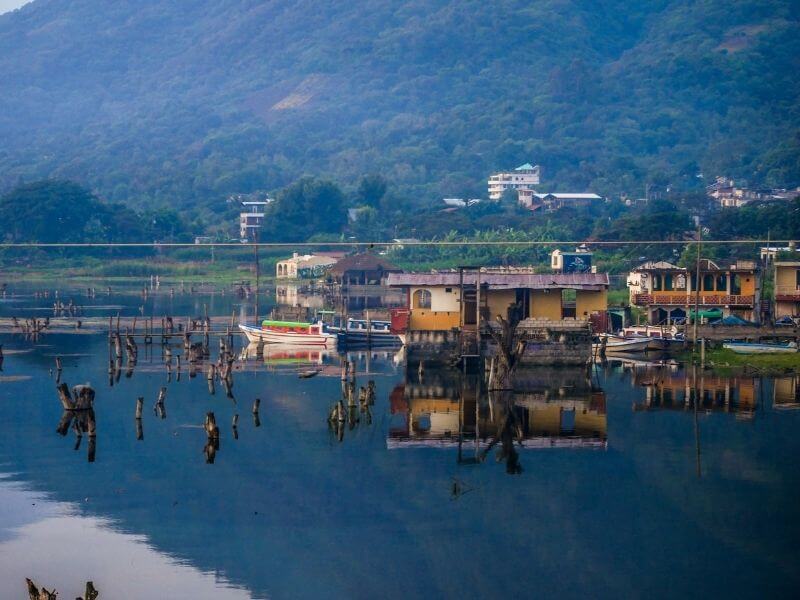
column 252, row 218
column 523, row 177
column 667, row 292
column 787, row 288
column 448, row 313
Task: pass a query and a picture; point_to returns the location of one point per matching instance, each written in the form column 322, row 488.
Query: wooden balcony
column 785, row 293
column 682, row 300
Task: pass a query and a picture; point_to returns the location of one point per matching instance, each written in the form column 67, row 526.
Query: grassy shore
column 728, row 362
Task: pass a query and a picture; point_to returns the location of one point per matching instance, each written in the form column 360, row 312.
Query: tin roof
column 504, row 281
column 362, row 262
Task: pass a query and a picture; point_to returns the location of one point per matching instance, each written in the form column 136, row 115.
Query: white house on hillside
column 523, row 177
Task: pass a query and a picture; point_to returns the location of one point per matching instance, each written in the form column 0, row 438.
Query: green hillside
column 181, row 102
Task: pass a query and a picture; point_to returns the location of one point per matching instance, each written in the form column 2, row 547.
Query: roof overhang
column 504, row 281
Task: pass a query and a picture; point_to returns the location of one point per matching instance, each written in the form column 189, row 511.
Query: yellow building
column 667, row 291
column 787, row 289
column 434, row 300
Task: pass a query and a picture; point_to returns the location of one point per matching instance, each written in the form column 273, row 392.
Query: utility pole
column 255, row 253
column 697, row 287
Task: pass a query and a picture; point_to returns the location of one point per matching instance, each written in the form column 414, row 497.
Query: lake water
column 615, row 484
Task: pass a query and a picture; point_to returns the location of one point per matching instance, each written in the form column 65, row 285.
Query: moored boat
column 289, row 332
column 751, row 348
column 360, row 332
column 661, row 338
column 615, row 343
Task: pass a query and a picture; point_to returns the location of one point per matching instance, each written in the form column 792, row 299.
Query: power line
column 440, row 243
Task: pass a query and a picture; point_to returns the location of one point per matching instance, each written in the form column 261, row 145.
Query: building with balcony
column 252, row 218
column 523, row 177
column 450, row 313
column 787, row 288
column 667, row 292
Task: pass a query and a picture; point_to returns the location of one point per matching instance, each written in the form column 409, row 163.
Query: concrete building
column 362, row 269
column 252, row 218
column 579, row 261
column 557, row 311
column 728, row 195
column 523, row 177
column 304, row 266
column 787, row 288
column 550, row 202
column 667, row 292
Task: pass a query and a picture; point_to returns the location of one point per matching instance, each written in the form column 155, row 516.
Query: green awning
column 708, row 313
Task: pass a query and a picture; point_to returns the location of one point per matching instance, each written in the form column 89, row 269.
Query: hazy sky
column 6, row 5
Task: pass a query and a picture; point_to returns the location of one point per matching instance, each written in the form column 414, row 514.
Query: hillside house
column 667, row 292
column 523, row 177
column 252, row 218
column 550, row 202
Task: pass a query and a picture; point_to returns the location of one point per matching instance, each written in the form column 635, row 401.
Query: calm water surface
column 620, row 486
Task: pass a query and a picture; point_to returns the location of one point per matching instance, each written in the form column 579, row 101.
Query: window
column 656, row 282
column 708, row 282
column 668, row 282
column 422, row 299
column 722, row 283
column 736, row 284
column 797, row 278
column 448, row 290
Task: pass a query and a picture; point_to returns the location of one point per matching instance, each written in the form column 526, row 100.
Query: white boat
column 289, row 332
column 615, row 343
column 661, row 338
column 748, row 348
column 363, row 332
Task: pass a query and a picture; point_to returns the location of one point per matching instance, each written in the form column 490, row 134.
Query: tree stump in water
column 509, row 350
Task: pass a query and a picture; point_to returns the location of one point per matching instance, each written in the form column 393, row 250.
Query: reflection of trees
column 508, row 427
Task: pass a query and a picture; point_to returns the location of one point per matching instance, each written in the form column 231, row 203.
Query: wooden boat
column 661, row 338
column 358, row 332
column 749, row 348
column 290, row 332
column 614, row 343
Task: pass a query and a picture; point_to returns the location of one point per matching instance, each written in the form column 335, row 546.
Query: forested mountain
column 181, row 102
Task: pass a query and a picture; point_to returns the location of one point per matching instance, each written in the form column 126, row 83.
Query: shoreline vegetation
column 727, row 362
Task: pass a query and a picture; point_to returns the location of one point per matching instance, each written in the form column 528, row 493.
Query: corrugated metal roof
column 499, row 281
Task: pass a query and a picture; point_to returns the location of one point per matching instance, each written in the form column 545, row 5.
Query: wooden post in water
column 697, row 289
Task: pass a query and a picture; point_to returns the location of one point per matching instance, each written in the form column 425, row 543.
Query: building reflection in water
column 687, row 390
column 559, row 408
column 786, row 393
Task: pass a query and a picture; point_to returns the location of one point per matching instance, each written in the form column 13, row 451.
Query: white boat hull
column 255, row 335
column 623, row 345
column 760, row 349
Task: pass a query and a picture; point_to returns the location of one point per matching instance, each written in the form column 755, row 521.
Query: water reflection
column 553, row 409
column 286, row 495
column 786, row 393
column 688, row 389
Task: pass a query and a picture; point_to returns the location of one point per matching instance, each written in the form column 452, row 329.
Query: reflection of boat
column 364, row 332
column 615, row 343
column 289, row 332
column 748, row 348
column 288, row 354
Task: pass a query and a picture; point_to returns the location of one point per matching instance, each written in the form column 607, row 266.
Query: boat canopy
column 268, row 323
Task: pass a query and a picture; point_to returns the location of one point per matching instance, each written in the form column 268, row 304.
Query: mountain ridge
column 184, row 102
